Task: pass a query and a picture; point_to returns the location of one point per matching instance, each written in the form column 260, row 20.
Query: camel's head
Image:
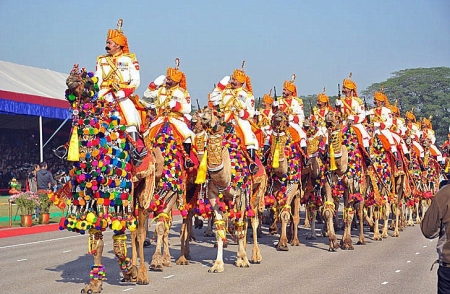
column 196, row 122
column 280, row 121
column 211, row 120
column 331, row 119
column 310, row 126
column 81, row 86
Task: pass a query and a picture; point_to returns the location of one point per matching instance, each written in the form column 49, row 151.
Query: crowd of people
column 20, row 155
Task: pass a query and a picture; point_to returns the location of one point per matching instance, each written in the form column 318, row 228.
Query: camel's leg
column 418, row 219
column 273, row 228
column 385, row 215
column 241, row 232
column 376, row 230
column 312, row 213
column 307, row 217
column 361, row 240
column 98, row 273
column 296, row 222
column 284, row 217
column 346, row 242
column 397, row 212
column 138, row 238
column 156, row 263
column 218, row 265
column 184, row 237
column 190, row 228
column 129, row 271
column 209, row 229
column 256, row 253
column 409, row 212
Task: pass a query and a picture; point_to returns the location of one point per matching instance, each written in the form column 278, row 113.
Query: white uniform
column 382, row 122
column 294, row 107
column 177, row 102
column 398, row 130
column 353, row 108
column 415, row 136
column 120, row 73
column 429, row 134
column 238, row 105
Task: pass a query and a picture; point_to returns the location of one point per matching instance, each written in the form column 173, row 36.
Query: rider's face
column 286, row 93
column 235, row 83
column 112, row 47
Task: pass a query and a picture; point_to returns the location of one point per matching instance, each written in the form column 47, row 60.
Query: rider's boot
column 398, row 160
column 305, row 155
column 137, row 149
column 253, row 167
column 188, row 161
column 366, row 156
column 264, row 154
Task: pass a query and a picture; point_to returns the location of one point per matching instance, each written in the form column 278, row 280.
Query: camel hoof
column 282, row 248
column 331, row 249
column 361, row 243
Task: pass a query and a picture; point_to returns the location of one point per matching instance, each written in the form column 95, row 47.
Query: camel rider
column 238, row 105
column 381, row 118
column 352, row 109
column 445, row 156
column 264, row 121
column 428, row 138
column 168, row 95
column 319, row 113
column 413, row 133
column 398, row 130
column 292, row 105
column 118, row 77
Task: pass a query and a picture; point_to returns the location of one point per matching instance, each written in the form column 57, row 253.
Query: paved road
column 56, row 262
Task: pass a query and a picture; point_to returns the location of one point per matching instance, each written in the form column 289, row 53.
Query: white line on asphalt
column 22, row 259
column 408, row 261
column 168, row 277
column 425, row 246
column 37, row 242
column 397, row 271
column 127, row 289
column 384, row 283
column 417, row 253
column 66, row 251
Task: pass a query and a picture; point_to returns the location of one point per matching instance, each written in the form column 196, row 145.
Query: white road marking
column 66, row 251
column 37, row 242
column 397, row 271
column 168, row 277
column 425, row 246
column 417, row 253
column 127, row 289
column 408, row 261
column 384, row 283
column 22, row 259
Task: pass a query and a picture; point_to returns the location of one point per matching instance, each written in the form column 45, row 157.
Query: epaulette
column 101, row 56
column 131, row 55
column 360, row 102
column 300, row 101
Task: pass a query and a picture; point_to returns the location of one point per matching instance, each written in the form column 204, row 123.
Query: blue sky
column 320, row 41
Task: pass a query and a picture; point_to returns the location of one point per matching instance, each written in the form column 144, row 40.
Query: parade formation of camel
column 108, row 192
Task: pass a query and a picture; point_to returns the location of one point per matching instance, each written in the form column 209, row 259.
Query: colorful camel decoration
column 106, row 191
column 234, row 196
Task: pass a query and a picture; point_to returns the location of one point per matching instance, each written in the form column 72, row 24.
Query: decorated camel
column 106, row 191
column 284, row 166
column 234, row 196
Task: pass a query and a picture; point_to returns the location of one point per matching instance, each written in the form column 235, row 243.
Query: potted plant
column 44, row 208
column 26, row 202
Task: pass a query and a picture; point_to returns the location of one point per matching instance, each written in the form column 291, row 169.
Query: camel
column 386, row 188
column 234, row 195
column 284, row 191
column 172, row 181
column 98, row 200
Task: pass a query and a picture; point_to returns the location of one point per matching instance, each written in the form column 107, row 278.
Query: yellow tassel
column 447, row 166
column 201, row 173
column 73, row 153
column 276, row 157
column 332, row 159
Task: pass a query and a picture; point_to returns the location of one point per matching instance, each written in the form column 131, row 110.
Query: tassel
column 276, row 157
column 73, row 153
column 201, row 173
column 332, row 159
column 447, row 166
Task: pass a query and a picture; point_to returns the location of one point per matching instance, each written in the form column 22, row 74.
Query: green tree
column 425, row 90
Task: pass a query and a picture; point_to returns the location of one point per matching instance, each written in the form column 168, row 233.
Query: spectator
column 44, row 180
column 31, row 181
column 436, row 223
